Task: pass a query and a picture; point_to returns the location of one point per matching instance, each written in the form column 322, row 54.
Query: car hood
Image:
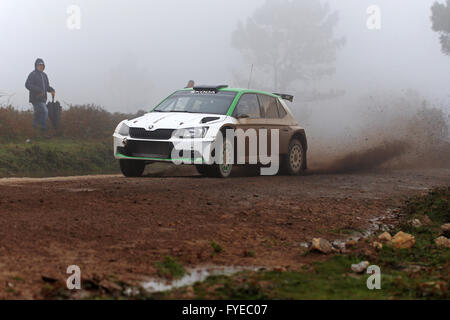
column 172, row 120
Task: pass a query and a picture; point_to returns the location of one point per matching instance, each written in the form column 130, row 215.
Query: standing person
column 38, row 85
column 190, row 84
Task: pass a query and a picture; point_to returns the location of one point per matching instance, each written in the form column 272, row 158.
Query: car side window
column 248, row 105
column 281, row 111
column 270, row 106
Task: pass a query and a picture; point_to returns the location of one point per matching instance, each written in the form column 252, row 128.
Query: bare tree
column 289, row 41
column 440, row 17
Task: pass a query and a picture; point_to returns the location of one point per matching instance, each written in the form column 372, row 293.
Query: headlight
column 190, row 133
column 124, row 130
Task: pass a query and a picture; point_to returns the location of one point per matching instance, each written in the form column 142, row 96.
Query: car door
column 249, row 114
column 285, row 126
column 274, row 121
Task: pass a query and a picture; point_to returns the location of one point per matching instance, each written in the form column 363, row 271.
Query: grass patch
column 56, row 157
column 333, row 279
column 170, row 268
column 216, row 247
column 435, row 205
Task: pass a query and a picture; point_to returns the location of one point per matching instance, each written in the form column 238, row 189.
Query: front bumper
column 179, row 151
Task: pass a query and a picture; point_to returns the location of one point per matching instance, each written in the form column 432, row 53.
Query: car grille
column 148, row 149
column 160, row 134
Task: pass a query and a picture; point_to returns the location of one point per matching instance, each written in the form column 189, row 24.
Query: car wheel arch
column 301, row 136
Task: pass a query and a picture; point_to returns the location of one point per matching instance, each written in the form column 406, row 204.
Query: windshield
column 198, row 102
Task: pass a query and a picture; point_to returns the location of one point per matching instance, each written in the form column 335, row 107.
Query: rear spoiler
column 287, row 97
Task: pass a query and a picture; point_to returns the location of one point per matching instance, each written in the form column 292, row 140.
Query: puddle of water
column 376, row 225
column 194, row 275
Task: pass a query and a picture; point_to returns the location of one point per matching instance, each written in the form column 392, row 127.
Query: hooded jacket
column 38, row 85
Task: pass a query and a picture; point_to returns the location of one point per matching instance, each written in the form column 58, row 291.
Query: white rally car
column 185, row 127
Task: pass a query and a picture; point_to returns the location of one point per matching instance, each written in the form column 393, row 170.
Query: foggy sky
column 130, row 54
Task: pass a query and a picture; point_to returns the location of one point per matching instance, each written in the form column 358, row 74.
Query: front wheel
column 223, row 169
column 132, row 168
column 294, row 161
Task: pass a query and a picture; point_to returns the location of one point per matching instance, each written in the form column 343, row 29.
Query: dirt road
column 112, row 226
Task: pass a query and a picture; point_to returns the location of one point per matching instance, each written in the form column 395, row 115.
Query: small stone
column 360, row 267
column 386, row 236
column 403, row 240
column 377, row 245
column 442, row 242
column 321, row 245
column 445, row 228
column 416, row 223
column 190, row 293
column 337, row 244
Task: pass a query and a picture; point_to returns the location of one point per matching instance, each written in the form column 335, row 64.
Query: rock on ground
column 386, row 236
column 446, row 230
column 377, row 245
column 442, row 242
column 403, row 240
column 416, row 223
column 360, row 267
column 321, row 245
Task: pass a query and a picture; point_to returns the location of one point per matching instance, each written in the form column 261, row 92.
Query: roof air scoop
column 214, row 89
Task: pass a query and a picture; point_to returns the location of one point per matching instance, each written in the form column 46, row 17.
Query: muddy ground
column 112, row 226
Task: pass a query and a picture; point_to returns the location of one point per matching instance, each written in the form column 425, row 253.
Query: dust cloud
column 386, row 131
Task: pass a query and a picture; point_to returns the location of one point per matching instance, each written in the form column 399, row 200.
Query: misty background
column 129, row 55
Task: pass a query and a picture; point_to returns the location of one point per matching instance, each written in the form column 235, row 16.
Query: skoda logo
column 151, row 127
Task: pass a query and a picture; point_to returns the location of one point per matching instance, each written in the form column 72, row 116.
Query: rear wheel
column 294, row 161
column 132, row 168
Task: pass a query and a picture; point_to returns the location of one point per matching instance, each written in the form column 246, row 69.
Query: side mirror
column 242, row 116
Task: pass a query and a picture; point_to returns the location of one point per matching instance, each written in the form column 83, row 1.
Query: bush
column 77, row 122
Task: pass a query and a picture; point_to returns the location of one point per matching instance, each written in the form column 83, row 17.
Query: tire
column 132, row 168
column 294, row 162
column 222, row 170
